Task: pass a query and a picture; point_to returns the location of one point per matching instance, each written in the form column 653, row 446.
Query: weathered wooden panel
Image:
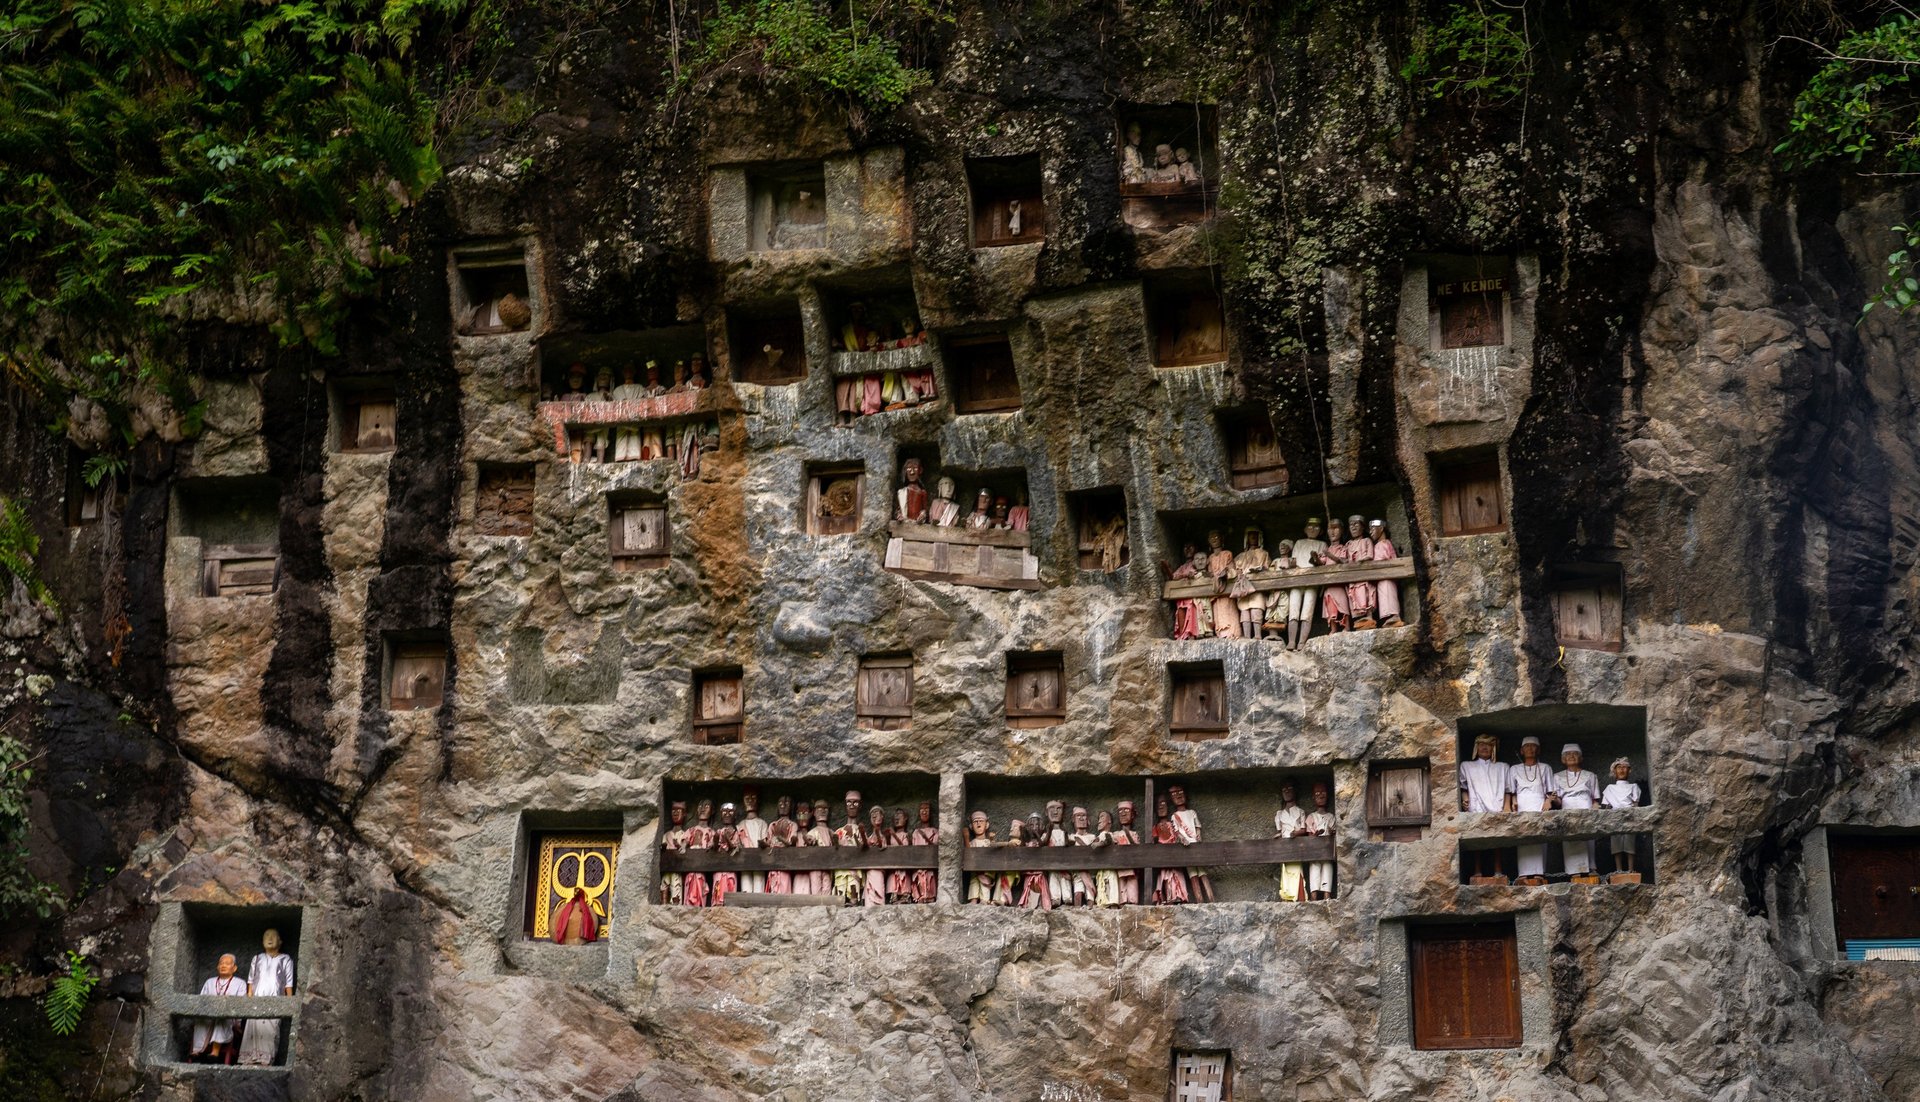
column 1466, row 989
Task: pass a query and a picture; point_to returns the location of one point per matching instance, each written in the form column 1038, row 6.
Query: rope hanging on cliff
column 1300, row 329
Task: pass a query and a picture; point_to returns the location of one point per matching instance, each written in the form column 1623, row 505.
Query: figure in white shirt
column 1530, row 788
column 1619, row 796
column 1577, row 790
column 1483, row 787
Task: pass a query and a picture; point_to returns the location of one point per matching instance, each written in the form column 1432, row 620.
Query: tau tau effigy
column 1099, row 552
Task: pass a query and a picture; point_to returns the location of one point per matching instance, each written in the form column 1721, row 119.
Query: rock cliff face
column 1682, row 390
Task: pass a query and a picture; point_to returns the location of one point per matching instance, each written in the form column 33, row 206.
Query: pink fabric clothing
column 1170, row 887
column 846, row 394
column 1360, row 595
column 1034, row 891
column 1226, row 610
column 724, row 882
column 1389, row 590
column 693, row 891
column 870, row 400
column 1333, row 598
column 780, row 882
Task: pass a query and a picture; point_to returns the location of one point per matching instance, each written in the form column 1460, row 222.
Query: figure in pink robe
column 693, row 890
column 1333, row 598
column 899, row 881
column 1169, row 885
column 1360, row 595
column 875, row 837
column 1389, row 589
column 580, row 910
column 1034, row 891
column 726, row 840
column 783, row 833
column 1192, row 618
column 1226, row 610
column 926, row 882
column 819, row 881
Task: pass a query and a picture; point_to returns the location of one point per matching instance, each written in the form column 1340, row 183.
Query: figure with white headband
column 1387, row 590
column 1483, row 787
column 1619, row 796
column 1577, row 789
column 1530, row 788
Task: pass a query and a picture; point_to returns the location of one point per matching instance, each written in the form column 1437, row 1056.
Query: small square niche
column 1197, row 695
column 1008, row 203
column 1399, row 799
column 416, row 672
column 363, row 417
column 883, row 692
column 237, row 524
column 1467, row 301
column 561, row 860
column 836, row 494
column 1254, row 458
column 1100, row 528
column 503, row 499
column 87, row 504
column 1036, row 689
column 211, row 930
column 789, row 207
column 1587, row 605
column 1186, row 322
column 980, row 366
column 637, row 534
column 1468, row 487
column 1201, row 1076
column 491, row 291
column 719, row 707
column 767, row 343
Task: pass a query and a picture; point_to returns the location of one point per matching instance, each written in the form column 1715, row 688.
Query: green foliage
column 67, row 998
column 19, row 543
column 1862, row 101
column 841, row 47
column 1862, row 107
column 1472, row 52
column 162, row 157
column 20, row 891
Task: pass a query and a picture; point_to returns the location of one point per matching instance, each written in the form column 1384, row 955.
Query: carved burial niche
column 719, row 706
column 1197, row 700
column 1186, row 324
column 1036, row 689
column 1254, row 460
column 603, row 359
column 1587, row 607
column 1201, row 1077
column 363, row 414
column 788, row 207
column 236, row 522
column 980, row 368
column 1876, row 893
column 836, row 494
column 883, row 692
column 503, row 499
column 491, row 292
column 638, row 537
column 767, row 343
column 1399, row 800
column 1100, row 528
column 1008, row 204
column 1467, row 485
column 565, row 853
column 1167, row 164
column 209, row 930
column 1466, row 984
column 1584, row 859
column 416, row 671
column 1467, row 301
column 86, row 504
column 1602, row 731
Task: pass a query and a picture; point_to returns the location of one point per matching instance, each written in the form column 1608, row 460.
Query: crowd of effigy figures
column 1487, row 784
column 634, row 443
column 864, row 828
column 1242, row 611
column 243, row 1040
column 913, row 505
column 1175, row 823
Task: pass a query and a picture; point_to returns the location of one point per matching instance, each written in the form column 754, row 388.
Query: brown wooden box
column 1470, row 501
column 835, row 500
column 982, row 372
column 1466, row 985
column 1399, row 796
column 417, row 676
column 719, row 707
column 883, row 692
column 237, row 570
column 1588, row 612
column 1189, row 325
column 637, row 537
column 1036, row 690
column 366, row 421
column 1199, row 703
column 503, row 501
column 1254, row 459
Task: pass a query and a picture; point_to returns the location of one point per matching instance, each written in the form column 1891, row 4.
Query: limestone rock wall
column 1684, row 391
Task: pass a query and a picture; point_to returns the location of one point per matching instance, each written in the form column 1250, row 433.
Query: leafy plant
column 830, row 45
column 19, row 543
column 1472, row 52
column 20, row 890
column 1862, row 106
column 67, row 998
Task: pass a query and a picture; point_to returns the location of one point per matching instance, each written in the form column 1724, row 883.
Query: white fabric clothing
column 1577, row 857
column 217, row 1031
column 1533, row 860
column 1485, row 783
column 1304, row 603
column 1577, row 788
column 753, row 835
column 1290, row 822
column 1530, row 785
column 1320, row 873
column 1621, row 795
column 269, row 976
column 1059, row 884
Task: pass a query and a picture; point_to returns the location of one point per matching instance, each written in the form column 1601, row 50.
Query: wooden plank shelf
column 987, row 558
column 977, row 537
column 1257, row 851
column 799, row 858
column 1274, row 581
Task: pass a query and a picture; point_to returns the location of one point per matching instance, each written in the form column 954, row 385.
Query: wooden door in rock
column 1466, row 986
column 1399, row 801
column 883, row 693
column 1876, row 887
column 1201, row 1077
